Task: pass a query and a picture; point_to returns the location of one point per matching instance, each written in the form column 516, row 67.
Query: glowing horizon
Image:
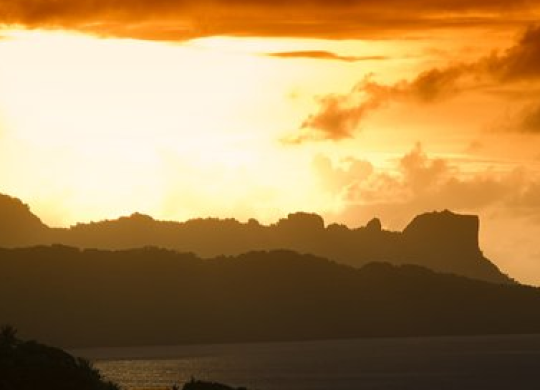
column 102, row 116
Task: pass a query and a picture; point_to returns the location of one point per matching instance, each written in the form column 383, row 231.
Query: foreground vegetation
column 202, row 385
column 28, row 365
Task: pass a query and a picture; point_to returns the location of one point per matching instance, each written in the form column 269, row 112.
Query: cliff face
column 443, row 233
column 441, row 241
column 447, row 241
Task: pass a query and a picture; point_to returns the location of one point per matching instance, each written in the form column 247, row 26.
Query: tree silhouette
column 8, row 336
column 195, row 384
column 28, row 365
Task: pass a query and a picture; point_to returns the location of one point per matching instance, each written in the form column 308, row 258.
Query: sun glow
column 177, row 131
column 112, row 126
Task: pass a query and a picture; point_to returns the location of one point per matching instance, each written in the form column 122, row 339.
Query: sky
column 352, row 109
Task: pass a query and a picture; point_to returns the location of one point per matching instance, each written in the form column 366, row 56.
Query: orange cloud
column 530, row 121
column 184, row 19
column 324, row 55
column 340, row 116
column 519, row 62
column 421, row 183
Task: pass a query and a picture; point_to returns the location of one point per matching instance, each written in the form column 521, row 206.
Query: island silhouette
column 138, row 281
column 70, row 297
column 442, row 241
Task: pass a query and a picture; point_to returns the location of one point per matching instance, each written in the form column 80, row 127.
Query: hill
column 18, row 226
column 442, row 241
column 28, row 365
column 71, row 297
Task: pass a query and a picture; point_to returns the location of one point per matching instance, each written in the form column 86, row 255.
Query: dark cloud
column 521, row 62
column 434, row 84
column 530, row 121
column 183, row 19
column 339, row 116
column 324, row 55
column 336, row 120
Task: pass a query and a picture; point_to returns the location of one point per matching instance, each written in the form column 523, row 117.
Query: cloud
column 417, row 180
column 418, row 183
column 184, row 19
column 530, row 120
column 337, row 178
column 420, row 172
column 519, row 62
column 436, row 183
column 527, row 121
column 339, row 116
column 324, row 55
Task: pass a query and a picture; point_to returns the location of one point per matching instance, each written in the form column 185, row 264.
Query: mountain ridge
column 442, row 241
column 96, row 298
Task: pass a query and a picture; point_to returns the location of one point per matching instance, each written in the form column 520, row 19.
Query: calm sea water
column 476, row 363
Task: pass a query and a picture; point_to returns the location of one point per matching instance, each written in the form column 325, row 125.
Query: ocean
column 476, row 363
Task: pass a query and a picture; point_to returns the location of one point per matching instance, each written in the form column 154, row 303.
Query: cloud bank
column 185, row 19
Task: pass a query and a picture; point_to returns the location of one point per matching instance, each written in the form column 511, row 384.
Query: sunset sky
column 351, row 108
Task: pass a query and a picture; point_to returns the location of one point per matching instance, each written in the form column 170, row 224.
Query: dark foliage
column 202, row 385
column 28, row 365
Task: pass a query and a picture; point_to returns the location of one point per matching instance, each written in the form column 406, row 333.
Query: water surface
column 476, row 363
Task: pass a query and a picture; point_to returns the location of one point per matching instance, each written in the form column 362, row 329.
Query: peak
column 138, row 217
column 374, row 225
column 8, row 203
column 19, row 226
column 141, row 216
column 443, row 220
column 438, row 222
column 450, row 242
column 302, row 220
column 444, row 214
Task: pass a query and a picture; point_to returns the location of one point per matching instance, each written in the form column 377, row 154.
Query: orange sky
column 352, row 109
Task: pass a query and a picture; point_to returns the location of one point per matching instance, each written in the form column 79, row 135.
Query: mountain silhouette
column 18, row 226
column 71, row 297
column 442, row 241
